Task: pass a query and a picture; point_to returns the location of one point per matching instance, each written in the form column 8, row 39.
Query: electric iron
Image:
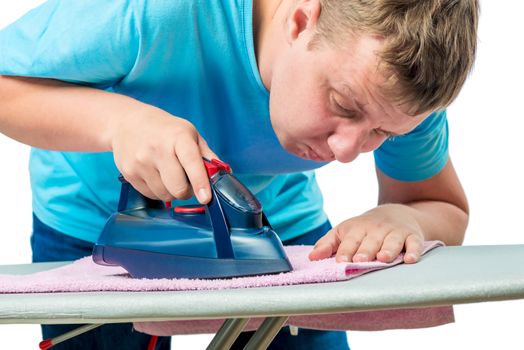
column 228, row 237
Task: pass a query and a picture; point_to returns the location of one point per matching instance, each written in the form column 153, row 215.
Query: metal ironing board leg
column 265, row 333
column 228, row 333
column 49, row 343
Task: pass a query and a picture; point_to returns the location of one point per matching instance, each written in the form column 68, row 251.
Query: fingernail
column 412, row 257
column 203, row 196
column 360, row 257
column 343, row 258
column 386, row 254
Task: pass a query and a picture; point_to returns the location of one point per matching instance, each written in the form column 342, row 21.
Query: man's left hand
column 381, row 233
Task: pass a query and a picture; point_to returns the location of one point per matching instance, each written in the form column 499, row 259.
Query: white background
column 486, row 124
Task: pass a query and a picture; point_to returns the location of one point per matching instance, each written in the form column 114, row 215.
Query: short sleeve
column 87, row 42
column 418, row 155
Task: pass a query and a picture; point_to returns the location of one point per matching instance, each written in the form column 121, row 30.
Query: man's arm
column 51, row 114
column 439, row 203
column 153, row 149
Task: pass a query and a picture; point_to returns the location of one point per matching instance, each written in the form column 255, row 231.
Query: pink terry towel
column 84, row 275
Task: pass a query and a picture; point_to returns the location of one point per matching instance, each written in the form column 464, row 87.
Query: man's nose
column 346, row 145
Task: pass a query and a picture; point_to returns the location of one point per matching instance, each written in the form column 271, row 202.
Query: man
column 274, row 88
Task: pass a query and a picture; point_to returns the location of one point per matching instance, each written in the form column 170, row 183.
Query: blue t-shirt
column 194, row 59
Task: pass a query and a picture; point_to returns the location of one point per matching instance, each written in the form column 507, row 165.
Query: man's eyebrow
column 360, row 106
column 351, row 96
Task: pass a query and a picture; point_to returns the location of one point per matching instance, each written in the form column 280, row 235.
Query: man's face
column 325, row 103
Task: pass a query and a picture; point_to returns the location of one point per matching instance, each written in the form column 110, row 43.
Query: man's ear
column 302, row 18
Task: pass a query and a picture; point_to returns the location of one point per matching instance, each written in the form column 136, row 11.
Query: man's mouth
column 310, row 154
column 305, row 151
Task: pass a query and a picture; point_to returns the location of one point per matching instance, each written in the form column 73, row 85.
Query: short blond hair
column 429, row 49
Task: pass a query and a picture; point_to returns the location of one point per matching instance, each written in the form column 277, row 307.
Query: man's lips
column 305, row 151
column 312, row 155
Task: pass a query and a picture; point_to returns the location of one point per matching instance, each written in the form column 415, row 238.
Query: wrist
column 131, row 116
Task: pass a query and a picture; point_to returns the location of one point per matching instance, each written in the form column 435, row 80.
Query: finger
column 392, row 246
column 140, row 185
column 154, row 182
column 351, row 241
column 188, row 153
column 414, row 247
column 173, row 176
column 325, row 247
column 142, row 174
column 370, row 245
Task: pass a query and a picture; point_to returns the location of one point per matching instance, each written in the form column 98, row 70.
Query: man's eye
column 343, row 111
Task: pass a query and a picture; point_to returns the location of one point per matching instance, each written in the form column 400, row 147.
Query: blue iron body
column 229, row 237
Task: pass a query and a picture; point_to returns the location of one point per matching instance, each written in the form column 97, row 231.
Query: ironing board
column 446, row 276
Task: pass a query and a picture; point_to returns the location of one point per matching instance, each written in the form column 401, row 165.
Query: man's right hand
column 161, row 155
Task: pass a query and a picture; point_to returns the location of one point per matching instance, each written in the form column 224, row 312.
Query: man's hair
column 429, row 45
